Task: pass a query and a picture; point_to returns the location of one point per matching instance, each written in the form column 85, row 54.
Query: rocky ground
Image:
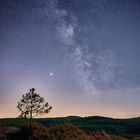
column 6, row 130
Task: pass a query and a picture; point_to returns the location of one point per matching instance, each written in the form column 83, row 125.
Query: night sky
column 82, row 56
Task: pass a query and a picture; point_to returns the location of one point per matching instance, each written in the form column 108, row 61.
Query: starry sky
column 82, row 56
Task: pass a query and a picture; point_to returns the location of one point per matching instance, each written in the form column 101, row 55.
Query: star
column 51, row 74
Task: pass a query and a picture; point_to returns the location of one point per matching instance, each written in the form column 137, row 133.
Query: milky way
column 72, row 51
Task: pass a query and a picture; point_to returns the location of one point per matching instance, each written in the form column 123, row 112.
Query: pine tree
column 32, row 105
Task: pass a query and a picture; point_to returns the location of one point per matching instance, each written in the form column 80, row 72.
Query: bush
column 39, row 132
column 59, row 132
column 68, row 132
column 102, row 135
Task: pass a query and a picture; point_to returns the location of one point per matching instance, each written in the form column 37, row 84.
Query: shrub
column 39, row 132
column 68, row 132
column 102, row 135
column 58, row 132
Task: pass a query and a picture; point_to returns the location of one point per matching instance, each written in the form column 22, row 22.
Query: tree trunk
column 30, row 123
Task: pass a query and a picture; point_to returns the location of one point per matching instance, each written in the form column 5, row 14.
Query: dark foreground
column 71, row 128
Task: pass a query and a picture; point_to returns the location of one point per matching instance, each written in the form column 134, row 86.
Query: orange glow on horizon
column 52, row 115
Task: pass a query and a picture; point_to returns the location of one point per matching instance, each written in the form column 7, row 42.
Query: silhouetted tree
column 32, row 105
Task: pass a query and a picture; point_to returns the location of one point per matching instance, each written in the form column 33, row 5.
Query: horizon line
column 76, row 116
